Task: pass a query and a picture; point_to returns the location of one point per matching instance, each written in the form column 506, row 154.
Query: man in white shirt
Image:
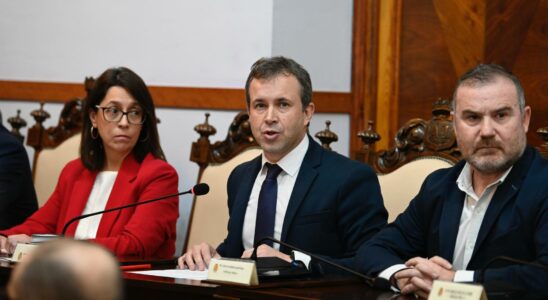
column 296, row 191
column 493, row 203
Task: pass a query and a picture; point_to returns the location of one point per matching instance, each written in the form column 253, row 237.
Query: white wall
column 203, row 43
column 207, row 43
column 318, row 34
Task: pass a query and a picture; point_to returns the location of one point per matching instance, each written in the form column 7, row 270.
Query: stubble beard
column 504, row 159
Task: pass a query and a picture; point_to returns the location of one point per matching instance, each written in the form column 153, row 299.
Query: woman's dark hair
column 92, row 152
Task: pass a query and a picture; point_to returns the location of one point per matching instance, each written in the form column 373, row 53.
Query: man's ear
column 309, row 112
column 526, row 118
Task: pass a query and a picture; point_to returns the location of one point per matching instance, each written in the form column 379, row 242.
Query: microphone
column 197, row 190
column 374, row 282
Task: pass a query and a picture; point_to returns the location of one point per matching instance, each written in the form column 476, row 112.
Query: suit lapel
column 119, row 195
column 305, row 178
column 450, row 220
column 504, row 193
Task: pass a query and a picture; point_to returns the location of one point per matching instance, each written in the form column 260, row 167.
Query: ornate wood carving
column 238, row 138
column 327, row 136
column 69, row 124
column 416, row 138
column 16, row 124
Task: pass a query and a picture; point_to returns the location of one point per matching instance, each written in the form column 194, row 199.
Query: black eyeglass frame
column 124, row 113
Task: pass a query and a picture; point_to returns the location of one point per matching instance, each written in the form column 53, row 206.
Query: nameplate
column 447, row 290
column 22, row 250
column 230, row 270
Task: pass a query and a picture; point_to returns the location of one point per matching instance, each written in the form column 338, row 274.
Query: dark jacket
column 335, row 206
column 17, row 195
column 515, row 225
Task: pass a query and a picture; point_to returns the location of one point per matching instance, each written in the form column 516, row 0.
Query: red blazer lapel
column 122, row 193
column 78, row 199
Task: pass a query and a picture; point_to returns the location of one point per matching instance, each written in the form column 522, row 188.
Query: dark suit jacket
column 335, row 206
column 17, row 195
column 515, row 225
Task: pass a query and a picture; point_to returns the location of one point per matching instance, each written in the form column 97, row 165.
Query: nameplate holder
column 232, row 270
column 447, row 290
column 22, row 250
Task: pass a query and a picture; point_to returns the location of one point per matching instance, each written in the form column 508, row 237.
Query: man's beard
column 499, row 163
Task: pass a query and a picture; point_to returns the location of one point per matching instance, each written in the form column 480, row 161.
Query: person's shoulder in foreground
column 67, row 269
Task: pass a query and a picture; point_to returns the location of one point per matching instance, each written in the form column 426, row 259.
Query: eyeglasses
column 115, row 114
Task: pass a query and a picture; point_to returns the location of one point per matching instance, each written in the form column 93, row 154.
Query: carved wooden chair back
column 209, row 215
column 421, row 147
column 54, row 146
column 57, row 145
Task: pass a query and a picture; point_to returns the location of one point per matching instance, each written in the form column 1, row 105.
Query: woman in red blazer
column 121, row 162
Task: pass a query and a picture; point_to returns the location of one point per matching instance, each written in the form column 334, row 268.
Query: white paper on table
column 176, row 273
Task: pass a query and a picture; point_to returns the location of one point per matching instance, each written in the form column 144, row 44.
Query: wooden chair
column 209, row 215
column 421, row 147
column 55, row 146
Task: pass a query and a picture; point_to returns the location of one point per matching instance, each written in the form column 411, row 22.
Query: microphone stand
column 118, row 208
column 377, row 282
column 197, row 190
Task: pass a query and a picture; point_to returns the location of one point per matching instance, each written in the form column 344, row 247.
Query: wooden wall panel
column 530, row 67
column 427, row 73
column 515, row 35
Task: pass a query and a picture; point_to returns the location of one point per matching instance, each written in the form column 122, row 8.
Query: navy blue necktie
column 266, row 208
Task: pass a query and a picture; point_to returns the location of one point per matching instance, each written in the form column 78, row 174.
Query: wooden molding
column 177, row 97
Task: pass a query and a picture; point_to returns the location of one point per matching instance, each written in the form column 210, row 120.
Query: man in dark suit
column 318, row 200
column 492, row 204
column 17, row 195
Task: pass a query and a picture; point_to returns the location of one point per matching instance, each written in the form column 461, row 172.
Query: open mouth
column 270, row 134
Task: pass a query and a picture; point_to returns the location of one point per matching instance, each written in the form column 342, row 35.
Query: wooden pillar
column 375, row 68
column 364, row 68
column 388, row 71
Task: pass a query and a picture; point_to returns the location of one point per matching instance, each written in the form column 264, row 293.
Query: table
column 139, row 286
column 151, row 287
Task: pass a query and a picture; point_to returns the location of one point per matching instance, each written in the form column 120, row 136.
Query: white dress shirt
column 471, row 218
column 290, row 164
column 97, row 201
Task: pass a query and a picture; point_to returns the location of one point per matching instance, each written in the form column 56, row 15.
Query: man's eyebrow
column 503, row 109
column 469, row 111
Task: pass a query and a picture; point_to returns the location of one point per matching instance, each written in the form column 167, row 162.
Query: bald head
column 67, row 269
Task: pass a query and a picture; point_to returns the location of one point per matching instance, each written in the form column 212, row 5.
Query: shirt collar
column 464, row 181
column 291, row 162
